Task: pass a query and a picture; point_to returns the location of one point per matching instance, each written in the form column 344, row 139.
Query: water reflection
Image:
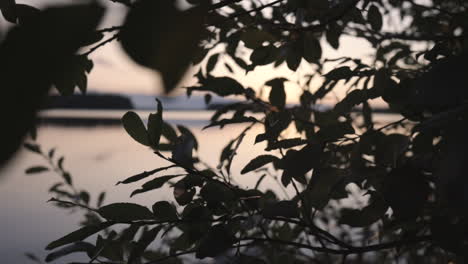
column 98, row 157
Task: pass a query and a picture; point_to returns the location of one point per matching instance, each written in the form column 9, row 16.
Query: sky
column 115, row 72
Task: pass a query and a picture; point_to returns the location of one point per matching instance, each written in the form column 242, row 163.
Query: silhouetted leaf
column 79, row 235
column 406, row 191
column 100, row 199
column 33, row 147
column 333, row 34
column 125, row 212
column 216, row 192
column 320, row 187
column 222, row 86
column 390, row 148
column 32, row 54
column 264, row 55
column 374, row 17
column 67, row 177
column 297, row 163
column 277, row 95
column 60, row 162
column 135, row 128
column 352, row 99
column 36, row 169
column 365, row 217
column 185, row 131
column 312, row 48
column 159, row 36
column 254, row 38
column 340, row 73
column 216, row 241
column 258, row 162
column 143, row 243
column 33, row 257
column 286, row 209
column 286, row 143
column 156, row 183
column 164, row 211
column 168, row 132
column 235, row 120
column 75, row 75
column 155, row 125
column 183, row 193
column 143, row 175
column 73, row 248
column 210, row 65
column 293, row 58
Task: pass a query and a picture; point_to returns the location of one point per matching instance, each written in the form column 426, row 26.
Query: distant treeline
column 89, row 101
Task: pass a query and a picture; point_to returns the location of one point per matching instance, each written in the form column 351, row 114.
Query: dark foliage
column 407, row 177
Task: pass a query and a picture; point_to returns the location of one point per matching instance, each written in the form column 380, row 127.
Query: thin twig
column 115, row 36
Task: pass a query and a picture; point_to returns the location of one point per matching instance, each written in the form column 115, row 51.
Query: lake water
column 97, row 158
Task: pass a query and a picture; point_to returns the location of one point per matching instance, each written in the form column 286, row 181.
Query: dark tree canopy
column 408, row 175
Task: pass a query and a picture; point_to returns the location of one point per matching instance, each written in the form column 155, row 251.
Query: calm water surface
column 97, row 158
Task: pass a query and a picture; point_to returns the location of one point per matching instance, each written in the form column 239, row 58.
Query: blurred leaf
column 33, row 148
column 374, row 17
column 183, row 193
column 286, row 143
column 100, row 199
column 67, row 177
column 293, row 57
column 222, row 86
column 298, row 163
column 215, row 242
column 339, row 73
column 125, row 212
column 390, row 148
column 51, row 153
column 168, row 132
column 320, row 187
column 254, row 38
column 84, row 196
column 352, row 99
column 263, row 55
column 258, row 162
column 135, row 128
column 286, row 209
column 210, row 65
column 79, row 235
column 185, row 131
column 75, row 75
column 36, row 169
column 277, row 95
column 365, row 217
column 312, row 48
column 406, row 191
column 159, row 36
column 333, row 34
column 216, row 192
column 143, row 243
column 32, row 54
column 33, row 257
column 73, row 248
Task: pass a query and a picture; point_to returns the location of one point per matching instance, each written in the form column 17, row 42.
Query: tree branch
column 352, row 250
